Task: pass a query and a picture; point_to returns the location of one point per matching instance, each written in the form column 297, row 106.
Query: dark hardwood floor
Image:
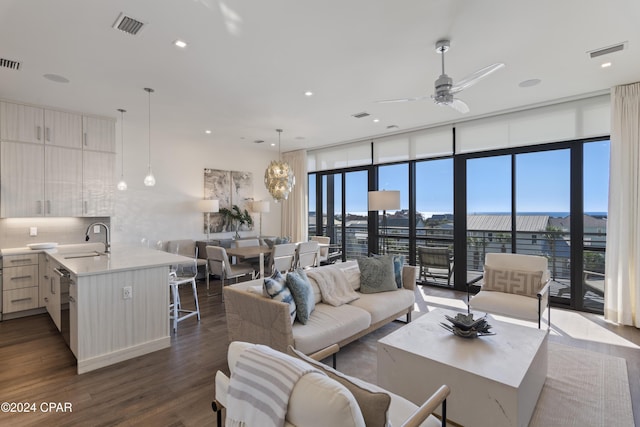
column 171, row 387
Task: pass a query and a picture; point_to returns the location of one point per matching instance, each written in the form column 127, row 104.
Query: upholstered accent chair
column 514, row 285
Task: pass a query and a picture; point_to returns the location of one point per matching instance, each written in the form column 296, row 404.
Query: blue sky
column 542, row 181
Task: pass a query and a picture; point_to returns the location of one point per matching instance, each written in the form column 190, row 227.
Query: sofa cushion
column 511, row 305
column 277, row 289
column 398, row 264
column 374, row 404
column 381, row 306
column 302, row 292
column 316, row 400
column 328, row 325
column 352, row 273
column 519, row 282
column 376, row 274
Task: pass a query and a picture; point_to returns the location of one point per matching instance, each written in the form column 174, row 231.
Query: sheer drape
column 622, row 271
column 294, row 209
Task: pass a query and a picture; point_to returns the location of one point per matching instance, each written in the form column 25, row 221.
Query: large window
column 548, row 200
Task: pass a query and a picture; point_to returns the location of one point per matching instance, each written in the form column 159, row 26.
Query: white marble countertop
column 121, row 258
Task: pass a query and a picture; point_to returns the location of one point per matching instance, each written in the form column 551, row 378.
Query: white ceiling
column 248, row 63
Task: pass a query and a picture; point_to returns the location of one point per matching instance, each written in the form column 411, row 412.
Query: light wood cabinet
column 21, row 179
column 62, row 129
column 25, row 123
column 99, row 134
column 53, row 294
column 62, row 182
column 20, row 283
column 98, row 183
column 39, row 180
column 22, row 123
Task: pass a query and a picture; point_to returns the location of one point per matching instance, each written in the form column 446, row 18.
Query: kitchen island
column 118, row 302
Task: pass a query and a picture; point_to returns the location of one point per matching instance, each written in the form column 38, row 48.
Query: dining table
column 245, row 252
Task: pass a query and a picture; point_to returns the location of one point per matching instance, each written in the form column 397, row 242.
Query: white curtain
column 622, row 271
column 294, row 210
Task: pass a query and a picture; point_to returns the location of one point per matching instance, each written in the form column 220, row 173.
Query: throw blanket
column 261, row 385
column 333, row 284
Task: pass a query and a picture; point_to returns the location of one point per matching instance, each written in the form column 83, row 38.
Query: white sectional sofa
column 252, row 317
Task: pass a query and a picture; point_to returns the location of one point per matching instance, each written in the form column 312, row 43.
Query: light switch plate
column 96, row 229
column 33, row 231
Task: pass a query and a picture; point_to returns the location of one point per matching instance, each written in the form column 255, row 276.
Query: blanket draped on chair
column 260, row 387
column 334, row 286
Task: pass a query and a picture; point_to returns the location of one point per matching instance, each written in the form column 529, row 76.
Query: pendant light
column 279, row 178
column 122, row 184
column 149, row 180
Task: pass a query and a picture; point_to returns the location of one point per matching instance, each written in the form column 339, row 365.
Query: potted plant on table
column 236, row 217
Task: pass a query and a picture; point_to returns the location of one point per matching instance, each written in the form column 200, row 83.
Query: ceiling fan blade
column 459, row 105
column 473, row 78
column 388, row 101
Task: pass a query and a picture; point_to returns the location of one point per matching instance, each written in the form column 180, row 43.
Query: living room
column 244, row 74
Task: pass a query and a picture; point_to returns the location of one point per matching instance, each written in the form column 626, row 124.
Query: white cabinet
column 24, row 123
column 99, row 134
column 21, row 123
column 73, row 316
column 98, row 183
column 39, row 180
column 20, row 283
column 62, row 129
column 21, row 179
column 52, row 299
column 62, row 181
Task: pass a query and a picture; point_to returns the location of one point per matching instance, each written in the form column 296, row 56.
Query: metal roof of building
column 525, row 223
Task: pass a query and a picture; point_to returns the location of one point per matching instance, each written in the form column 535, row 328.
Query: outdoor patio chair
column 435, row 262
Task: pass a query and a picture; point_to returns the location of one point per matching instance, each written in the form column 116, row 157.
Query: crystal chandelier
column 279, row 178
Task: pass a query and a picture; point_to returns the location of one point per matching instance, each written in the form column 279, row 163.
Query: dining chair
column 306, row 255
column 220, row 266
column 283, row 257
column 323, row 256
column 180, row 275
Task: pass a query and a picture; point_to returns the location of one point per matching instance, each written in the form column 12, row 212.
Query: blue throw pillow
column 299, row 285
column 276, row 288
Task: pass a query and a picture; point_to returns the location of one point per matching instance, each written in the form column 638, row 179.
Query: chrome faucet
column 107, row 242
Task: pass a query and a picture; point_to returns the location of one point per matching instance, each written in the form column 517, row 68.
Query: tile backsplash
column 14, row 232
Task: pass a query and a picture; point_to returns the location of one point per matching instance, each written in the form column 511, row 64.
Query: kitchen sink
column 83, row 255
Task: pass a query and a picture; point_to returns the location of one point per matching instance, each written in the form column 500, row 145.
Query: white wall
column 169, row 209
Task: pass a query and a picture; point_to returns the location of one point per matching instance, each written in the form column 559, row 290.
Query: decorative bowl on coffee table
column 465, row 326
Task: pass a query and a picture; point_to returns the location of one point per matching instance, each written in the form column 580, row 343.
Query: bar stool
column 181, row 275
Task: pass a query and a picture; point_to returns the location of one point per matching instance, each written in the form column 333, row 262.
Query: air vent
column 607, row 50
column 361, row 115
column 128, row 24
column 7, row 63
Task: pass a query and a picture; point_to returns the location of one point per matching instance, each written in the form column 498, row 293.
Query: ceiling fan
column 445, row 89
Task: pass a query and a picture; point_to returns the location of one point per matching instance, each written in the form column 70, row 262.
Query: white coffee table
column 495, row 380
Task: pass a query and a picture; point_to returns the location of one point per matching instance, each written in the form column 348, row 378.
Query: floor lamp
column 261, row 206
column 207, row 206
column 381, row 201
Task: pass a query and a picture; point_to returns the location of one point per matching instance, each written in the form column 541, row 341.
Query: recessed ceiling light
column 180, row 43
column 207, row 131
column 376, row 120
column 308, row 93
column 529, row 83
column 605, row 64
column 273, row 144
column 56, row 78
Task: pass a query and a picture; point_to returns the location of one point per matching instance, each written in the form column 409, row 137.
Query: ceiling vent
column 128, row 24
column 607, row 50
column 7, row 63
column 361, row 115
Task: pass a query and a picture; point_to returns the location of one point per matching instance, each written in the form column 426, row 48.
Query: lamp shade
column 209, row 205
column 384, row 200
column 261, row 206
